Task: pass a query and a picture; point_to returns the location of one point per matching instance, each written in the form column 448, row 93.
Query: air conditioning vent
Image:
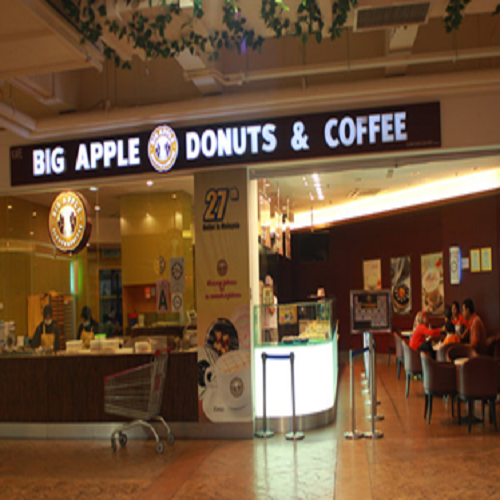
column 391, row 16
column 359, row 193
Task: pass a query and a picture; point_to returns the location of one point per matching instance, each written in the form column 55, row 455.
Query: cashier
column 88, row 327
column 46, row 334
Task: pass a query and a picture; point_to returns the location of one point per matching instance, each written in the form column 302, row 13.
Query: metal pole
column 373, row 434
column 374, row 387
column 293, row 436
column 264, row 433
column 353, row 433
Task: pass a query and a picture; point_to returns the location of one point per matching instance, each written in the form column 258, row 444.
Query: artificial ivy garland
column 148, row 34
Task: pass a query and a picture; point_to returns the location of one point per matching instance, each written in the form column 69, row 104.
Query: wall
column 471, row 223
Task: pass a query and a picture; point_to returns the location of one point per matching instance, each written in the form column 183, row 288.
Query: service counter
column 310, row 333
column 70, row 389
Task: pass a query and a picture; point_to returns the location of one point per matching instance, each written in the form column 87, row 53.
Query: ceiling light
column 303, row 178
column 149, row 183
column 305, row 183
column 93, row 189
column 174, row 196
column 9, row 206
column 32, row 233
column 34, row 213
column 97, row 208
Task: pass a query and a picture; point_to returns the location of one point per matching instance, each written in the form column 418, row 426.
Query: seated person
column 456, row 318
column 452, row 336
column 476, row 333
column 46, row 334
column 88, row 327
column 419, row 339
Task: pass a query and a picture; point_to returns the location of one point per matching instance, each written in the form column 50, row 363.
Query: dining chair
column 478, row 380
column 440, row 379
column 398, row 342
column 413, row 365
column 461, row 351
column 442, row 353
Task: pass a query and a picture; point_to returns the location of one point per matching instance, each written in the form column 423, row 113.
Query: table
column 460, row 361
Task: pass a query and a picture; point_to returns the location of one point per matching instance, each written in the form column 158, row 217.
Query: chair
column 398, row 342
column 440, row 379
column 461, row 351
column 493, row 346
column 442, row 353
column 478, row 380
column 413, row 365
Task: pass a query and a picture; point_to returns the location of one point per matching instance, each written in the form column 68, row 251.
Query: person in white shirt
column 271, row 316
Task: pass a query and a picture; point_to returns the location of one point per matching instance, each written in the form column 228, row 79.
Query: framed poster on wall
column 432, row 282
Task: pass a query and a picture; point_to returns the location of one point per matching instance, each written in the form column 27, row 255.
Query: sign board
column 162, row 296
column 299, row 137
column 177, row 275
column 370, row 311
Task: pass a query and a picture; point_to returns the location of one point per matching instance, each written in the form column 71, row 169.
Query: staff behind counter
column 46, row 334
column 88, row 327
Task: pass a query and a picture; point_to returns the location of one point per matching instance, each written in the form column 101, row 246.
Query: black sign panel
column 368, row 131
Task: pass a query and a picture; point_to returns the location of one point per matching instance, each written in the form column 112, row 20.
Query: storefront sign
column 377, row 130
column 69, row 222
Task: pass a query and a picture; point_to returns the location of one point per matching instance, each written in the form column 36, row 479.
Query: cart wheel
column 113, row 444
column 159, row 447
column 170, row 439
column 122, row 439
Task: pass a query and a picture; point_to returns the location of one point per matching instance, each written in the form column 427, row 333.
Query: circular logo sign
column 236, row 387
column 163, row 148
column 69, row 222
column 222, row 267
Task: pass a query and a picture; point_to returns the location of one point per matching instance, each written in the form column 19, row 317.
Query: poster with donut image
column 401, row 285
column 223, row 297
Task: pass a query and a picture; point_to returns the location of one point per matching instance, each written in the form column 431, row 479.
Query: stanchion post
column 294, row 435
column 353, row 433
column 373, row 434
column 376, row 416
column 264, row 433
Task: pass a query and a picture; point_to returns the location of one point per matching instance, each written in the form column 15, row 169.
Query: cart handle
column 157, row 353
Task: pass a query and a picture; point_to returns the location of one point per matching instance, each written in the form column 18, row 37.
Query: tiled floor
column 413, row 460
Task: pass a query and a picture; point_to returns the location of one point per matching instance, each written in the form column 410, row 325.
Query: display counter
column 312, row 339
column 70, row 389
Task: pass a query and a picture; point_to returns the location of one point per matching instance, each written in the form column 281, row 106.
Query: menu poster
column 401, row 285
column 372, row 275
column 278, row 240
column 223, row 296
column 432, row 282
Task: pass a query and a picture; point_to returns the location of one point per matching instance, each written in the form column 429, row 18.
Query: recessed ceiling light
column 32, row 233
column 97, row 208
column 174, row 196
column 93, row 188
column 147, row 215
column 34, row 213
column 149, row 183
column 9, row 207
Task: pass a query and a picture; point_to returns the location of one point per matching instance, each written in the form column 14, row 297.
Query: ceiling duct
column 391, row 16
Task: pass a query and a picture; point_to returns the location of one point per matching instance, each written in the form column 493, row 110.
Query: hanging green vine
column 148, row 34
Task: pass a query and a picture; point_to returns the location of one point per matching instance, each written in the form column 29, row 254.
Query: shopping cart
column 137, row 393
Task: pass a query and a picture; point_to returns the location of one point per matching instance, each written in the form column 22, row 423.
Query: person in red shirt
column 420, row 339
column 476, row 332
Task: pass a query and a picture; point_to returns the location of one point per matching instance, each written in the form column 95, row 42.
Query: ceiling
column 51, row 85
column 339, row 188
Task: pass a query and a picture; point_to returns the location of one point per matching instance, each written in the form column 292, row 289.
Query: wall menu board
column 370, row 310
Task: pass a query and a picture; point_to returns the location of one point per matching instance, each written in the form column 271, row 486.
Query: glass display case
column 309, row 331
column 297, row 323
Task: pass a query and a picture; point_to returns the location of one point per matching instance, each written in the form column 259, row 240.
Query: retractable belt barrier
column 371, row 377
column 265, row 433
column 353, row 433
